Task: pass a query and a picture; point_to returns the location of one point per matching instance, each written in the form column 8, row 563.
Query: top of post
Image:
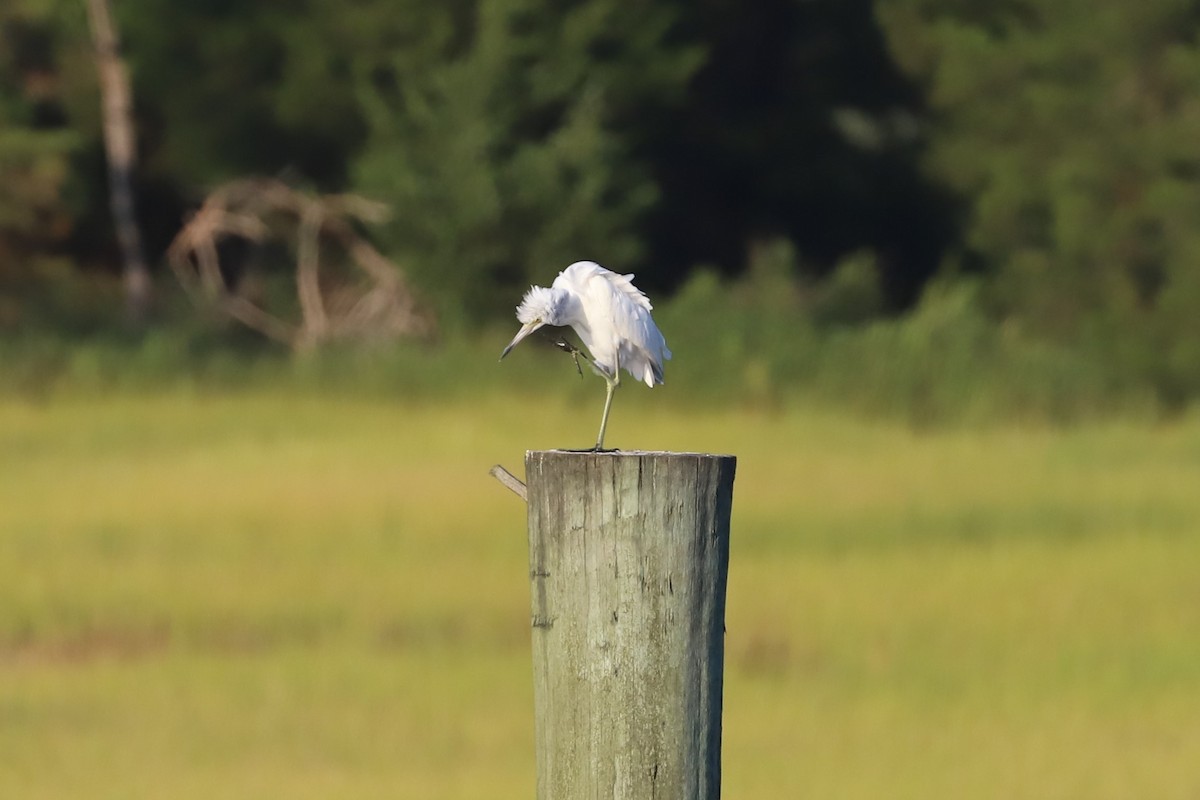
column 561, row 453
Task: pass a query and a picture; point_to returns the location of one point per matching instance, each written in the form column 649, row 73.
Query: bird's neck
column 569, row 308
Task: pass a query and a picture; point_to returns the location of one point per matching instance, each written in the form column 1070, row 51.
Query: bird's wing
column 642, row 346
column 618, row 325
column 624, row 285
column 583, row 272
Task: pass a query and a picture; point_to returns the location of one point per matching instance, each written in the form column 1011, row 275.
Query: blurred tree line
column 1044, row 153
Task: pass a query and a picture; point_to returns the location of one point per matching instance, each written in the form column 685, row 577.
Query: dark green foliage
column 230, row 89
column 37, row 136
column 937, row 209
column 946, row 362
column 505, row 153
column 1071, row 128
column 799, row 125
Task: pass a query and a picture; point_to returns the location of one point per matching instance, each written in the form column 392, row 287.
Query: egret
column 610, row 315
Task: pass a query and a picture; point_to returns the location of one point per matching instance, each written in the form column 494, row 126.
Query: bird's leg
column 562, row 344
column 612, row 387
column 613, row 383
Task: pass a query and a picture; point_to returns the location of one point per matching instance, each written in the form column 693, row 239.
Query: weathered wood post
column 628, row 555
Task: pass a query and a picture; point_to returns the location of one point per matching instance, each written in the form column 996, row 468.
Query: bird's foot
column 576, row 353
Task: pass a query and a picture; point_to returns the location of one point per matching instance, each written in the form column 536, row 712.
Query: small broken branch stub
column 510, row 482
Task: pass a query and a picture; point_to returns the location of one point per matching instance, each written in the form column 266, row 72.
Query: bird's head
column 540, row 306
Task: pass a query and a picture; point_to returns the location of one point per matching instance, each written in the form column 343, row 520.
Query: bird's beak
column 526, row 329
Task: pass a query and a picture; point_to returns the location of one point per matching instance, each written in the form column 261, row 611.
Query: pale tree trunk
column 120, row 147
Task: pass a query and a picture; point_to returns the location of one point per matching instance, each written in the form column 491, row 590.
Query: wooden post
column 628, row 555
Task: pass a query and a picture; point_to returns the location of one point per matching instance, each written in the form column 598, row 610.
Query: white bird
column 610, row 315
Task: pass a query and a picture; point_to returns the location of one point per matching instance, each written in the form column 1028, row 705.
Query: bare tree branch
column 308, row 285
column 257, row 209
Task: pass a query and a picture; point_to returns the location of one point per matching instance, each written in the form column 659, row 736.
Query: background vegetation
column 1022, row 178
column 268, row 594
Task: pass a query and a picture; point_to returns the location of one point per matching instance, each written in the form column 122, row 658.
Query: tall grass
column 306, row 594
column 766, row 341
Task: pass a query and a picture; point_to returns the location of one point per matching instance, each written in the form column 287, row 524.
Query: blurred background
column 930, row 269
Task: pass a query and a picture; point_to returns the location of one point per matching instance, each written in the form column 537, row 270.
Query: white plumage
column 610, row 315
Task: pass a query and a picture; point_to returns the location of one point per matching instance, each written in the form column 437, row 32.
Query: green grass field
column 256, row 595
